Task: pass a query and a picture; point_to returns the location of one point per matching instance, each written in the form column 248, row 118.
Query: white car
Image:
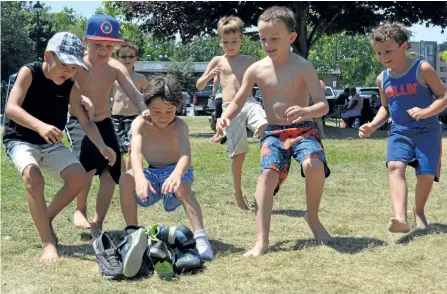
column 330, row 93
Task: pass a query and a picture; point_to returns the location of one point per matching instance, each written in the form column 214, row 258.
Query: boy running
column 231, row 68
column 286, row 80
column 407, row 88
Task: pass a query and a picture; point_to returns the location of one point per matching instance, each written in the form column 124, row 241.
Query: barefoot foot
column 397, row 226
column 257, row 251
column 242, row 202
column 319, row 231
column 49, row 253
column 80, row 220
column 420, row 220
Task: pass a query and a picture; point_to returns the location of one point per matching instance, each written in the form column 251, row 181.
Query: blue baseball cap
column 102, row 27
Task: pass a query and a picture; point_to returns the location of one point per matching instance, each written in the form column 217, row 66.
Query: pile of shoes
column 165, row 250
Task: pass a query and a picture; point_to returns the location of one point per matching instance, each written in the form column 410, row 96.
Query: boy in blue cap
column 33, row 133
column 100, row 36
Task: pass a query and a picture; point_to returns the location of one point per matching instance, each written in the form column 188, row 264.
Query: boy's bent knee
column 394, row 166
column 33, row 178
column 75, row 176
column 126, row 179
column 312, row 165
column 269, row 175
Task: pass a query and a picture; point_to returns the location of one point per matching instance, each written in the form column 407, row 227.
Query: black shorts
column 122, row 124
column 87, row 153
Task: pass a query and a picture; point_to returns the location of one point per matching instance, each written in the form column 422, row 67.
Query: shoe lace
column 113, row 260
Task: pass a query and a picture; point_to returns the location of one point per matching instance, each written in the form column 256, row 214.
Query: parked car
column 366, row 93
column 186, row 101
column 331, row 96
column 200, row 100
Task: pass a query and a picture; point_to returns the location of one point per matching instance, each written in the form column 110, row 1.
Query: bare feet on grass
column 242, row 202
column 80, row 220
column 49, row 253
column 420, row 220
column 320, row 233
column 258, row 250
column 398, row 226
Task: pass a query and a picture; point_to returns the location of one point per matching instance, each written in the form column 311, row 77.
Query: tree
column 164, row 19
column 184, row 73
column 352, row 55
column 17, row 47
column 444, row 55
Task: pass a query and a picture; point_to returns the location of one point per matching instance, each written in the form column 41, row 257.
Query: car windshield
column 369, row 92
column 328, row 92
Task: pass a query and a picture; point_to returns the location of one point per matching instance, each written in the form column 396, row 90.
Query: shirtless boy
column 230, row 69
column 286, row 80
column 123, row 110
column 100, row 36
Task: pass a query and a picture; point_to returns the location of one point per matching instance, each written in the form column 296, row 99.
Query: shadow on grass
column 431, row 229
column 290, row 212
column 224, row 249
column 201, row 135
column 346, row 245
column 115, row 235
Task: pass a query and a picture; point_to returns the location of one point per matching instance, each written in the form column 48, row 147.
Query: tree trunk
column 300, row 46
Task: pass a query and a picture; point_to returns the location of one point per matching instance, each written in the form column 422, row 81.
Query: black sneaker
column 180, row 237
column 188, row 260
column 132, row 249
column 163, row 260
column 110, row 266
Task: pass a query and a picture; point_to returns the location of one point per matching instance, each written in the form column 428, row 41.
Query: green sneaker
column 164, row 270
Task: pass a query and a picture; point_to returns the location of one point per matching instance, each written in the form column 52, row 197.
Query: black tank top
column 44, row 100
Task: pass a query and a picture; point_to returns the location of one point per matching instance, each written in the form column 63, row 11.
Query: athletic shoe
column 177, row 237
column 163, row 259
column 188, row 260
column 132, row 249
column 107, row 258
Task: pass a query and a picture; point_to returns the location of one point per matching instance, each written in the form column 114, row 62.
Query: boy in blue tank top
column 413, row 94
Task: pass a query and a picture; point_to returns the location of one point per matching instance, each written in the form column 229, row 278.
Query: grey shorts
column 252, row 116
column 53, row 158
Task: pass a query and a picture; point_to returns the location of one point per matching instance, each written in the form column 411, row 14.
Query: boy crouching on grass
column 163, row 140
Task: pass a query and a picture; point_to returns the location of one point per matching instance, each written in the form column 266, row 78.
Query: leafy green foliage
column 352, row 55
column 165, row 19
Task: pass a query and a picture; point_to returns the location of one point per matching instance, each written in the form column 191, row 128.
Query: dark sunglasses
column 127, row 57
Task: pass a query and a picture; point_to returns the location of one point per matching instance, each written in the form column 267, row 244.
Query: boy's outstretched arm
column 173, row 182
column 15, row 112
column 248, row 81
column 136, row 159
column 90, row 128
column 382, row 115
column 126, row 83
column 431, row 79
column 213, row 69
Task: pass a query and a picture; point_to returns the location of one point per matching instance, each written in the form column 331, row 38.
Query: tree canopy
column 164, row 19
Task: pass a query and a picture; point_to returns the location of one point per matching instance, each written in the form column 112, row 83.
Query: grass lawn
column 362, row 258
